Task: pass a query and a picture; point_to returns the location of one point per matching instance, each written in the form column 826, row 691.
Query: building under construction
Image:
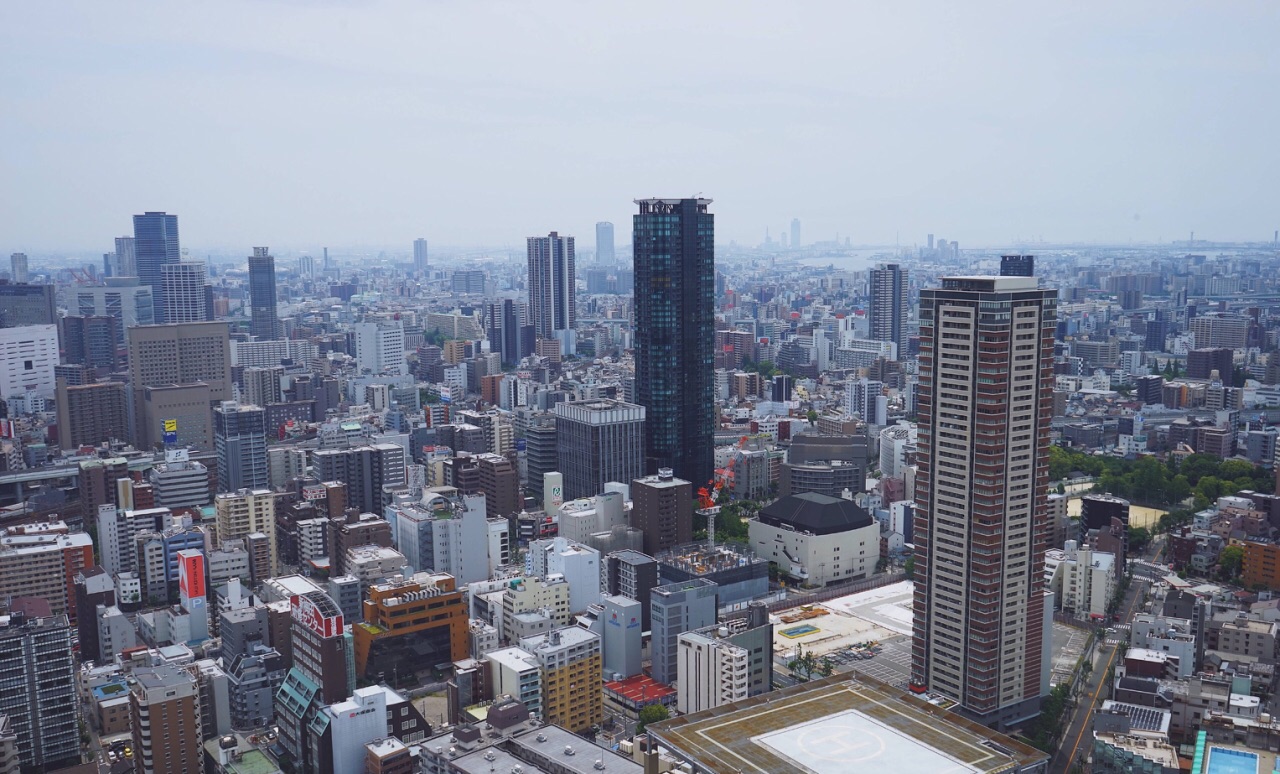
column 741, row 575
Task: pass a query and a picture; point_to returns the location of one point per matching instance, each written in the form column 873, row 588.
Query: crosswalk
column 1118, row 634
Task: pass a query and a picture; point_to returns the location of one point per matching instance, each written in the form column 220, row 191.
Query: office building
column 986, row 384
column 579, row 565
column 1104, row 525
column 264, row 324
column 183, row 290
column 827, row 464
column 678, row 608
column 240, row 440
column 22, row 304
column 247, row 512
column 795, row 233
column 570, row 660
column 889, row 304
column 817, row 539
column 322, row 672
column 366, row 470
column 18, row 264
column 183, row 354
column 93, row 586
column 126, row 259
column 41, row 561
column 552, row 286
column 443, row 534
column 176, row 416
column 662, row 508
column 179, row 481
column 598, row 441
column 410, row 626
column 468, row 282
column 123, row 298
column 155, row 244
column 865, row 398
column 1220, row 330
column 674, row 248
column 38, row 673
column 379, row 347
column 420, row 256
column 263, row 386
column 631, row 574
column 1017, row 266
column 165, row 711
column 1203, row 362
column 91, row 341
column 28, row 356
column 509, row 332
column 92, row 413
column 604, row 243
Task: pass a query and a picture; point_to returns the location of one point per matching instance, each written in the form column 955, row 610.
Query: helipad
column 840, row 724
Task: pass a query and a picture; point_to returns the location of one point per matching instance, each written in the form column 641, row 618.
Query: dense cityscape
column 718, row 388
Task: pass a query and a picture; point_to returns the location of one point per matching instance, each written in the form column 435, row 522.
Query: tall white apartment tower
column 183, row 285
column 420, row 255
column 889, row 305
column 552, row 294
column 981, row 525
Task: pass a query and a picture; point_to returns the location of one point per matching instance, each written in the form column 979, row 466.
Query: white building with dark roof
column 817, row 539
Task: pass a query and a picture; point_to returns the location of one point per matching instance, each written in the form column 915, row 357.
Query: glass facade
column 155, row 243
column 674, row 248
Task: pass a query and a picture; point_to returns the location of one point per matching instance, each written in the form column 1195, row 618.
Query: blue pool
column 1223, row 761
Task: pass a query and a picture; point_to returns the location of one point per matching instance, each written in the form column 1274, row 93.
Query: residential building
column 986, row 385
column 1083, row 580
column 674, row 251
column 240, row 440
column 445, row 533
column 889, row 304
column 166, row 717
column 39, row 675
column 515, row 672
column 604, row 243
column 246, row 512
column 570, row 661
column 264, row 323
column 366, row 470
column 578, row 564
column 631, row 574
column 509, row 332
column 379, row 346
column 598, row 441
column 41, row 561
column 662, row 508
column 552, row 286
column 183, row 291
column 420, row 256
column 89, row 414
column 817, row 539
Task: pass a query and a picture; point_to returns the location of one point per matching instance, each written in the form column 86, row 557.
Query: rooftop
column 816, row 513
column 640, row 688
column 839, row 724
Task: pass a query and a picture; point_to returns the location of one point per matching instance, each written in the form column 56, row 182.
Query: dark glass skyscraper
column 674, row 248
column 263, row 322
column 155, row 243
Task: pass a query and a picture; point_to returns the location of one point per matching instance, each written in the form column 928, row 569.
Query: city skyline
column 1107, row 129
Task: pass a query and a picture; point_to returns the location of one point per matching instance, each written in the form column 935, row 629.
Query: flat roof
column 839, row 724
column 639, row 688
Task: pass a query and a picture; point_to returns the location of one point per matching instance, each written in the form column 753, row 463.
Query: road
column 1095, row 689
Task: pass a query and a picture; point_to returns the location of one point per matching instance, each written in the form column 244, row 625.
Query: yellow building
column 572, row 689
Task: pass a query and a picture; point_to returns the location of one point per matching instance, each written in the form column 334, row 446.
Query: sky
column 308, row 123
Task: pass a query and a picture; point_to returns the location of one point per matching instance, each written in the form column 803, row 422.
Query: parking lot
column 1068, row 644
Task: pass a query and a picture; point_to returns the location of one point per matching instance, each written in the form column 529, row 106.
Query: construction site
column 741, row 575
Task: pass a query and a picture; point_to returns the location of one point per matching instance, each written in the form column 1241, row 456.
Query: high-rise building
column 379, row 346
column 981, row 527
column 122, row 298
column 179, row 481
column 92, row 413
column 598, row 441
column 1017, row 266
column 155, row 244
column 263, row 386
column 94, row 586
column 126, row 259
column 22, row 304
column 420, row 256
column 42, row 560
column 179, row 354
column 889, row 304
column 674, row 248
column 570, row 662
column 409, row 622
column 795, row 233
column 323, row 671
column 39, row 675
column 28, row 356
column 1202, row 362
column 509, row 331
column 662, row 508
column 90, row 341
column 240, row 440
column 631, row 574
column 444, row 534
column 18, row 263
column 264, row 325
column 164, row 704
column 182, row 285
column 604, row 243
column 552, row 285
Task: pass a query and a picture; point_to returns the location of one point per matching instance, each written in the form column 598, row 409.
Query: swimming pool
column 799, row 631
column 1224, row 761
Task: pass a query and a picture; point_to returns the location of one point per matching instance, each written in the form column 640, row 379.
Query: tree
column 1062, row 488
column 1230, row 561
column 813, row 417
column 804, row 665
column 1139, row 537
column 825, row 667
column 652, row 713
column 910, row 567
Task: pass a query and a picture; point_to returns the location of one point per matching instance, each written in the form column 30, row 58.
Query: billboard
column 191, row 574
column 309, row 615
column 170, row 430
column 314, row 492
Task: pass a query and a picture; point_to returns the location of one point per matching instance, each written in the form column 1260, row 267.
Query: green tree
column 1179, row 489
column 1230, row 561
column 1139, row 538
column 652, row 713
column 909, row 567
column 825, row 667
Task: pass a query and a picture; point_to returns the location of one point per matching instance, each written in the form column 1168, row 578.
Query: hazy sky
column 299, row 124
